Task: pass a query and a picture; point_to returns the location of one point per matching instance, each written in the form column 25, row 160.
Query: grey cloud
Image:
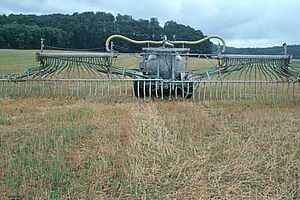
column 242, row 23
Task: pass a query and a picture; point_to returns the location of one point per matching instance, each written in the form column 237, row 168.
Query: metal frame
column 235, row 77
column 203, row 90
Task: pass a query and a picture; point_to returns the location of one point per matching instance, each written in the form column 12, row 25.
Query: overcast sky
column 248, row 23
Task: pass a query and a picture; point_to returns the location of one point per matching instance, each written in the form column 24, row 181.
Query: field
column 94, row 149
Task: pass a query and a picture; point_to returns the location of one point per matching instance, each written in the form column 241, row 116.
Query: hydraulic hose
column 109, row 39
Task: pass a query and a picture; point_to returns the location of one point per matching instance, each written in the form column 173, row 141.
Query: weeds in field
column 161, row 150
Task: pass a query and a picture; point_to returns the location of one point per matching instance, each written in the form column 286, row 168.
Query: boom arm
column 109, row 39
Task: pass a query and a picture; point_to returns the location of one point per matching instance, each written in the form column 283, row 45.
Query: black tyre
column 139, row 90
column 187, row 90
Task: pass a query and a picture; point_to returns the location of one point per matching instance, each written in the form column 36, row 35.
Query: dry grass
column 97, row 149
column 166, row 150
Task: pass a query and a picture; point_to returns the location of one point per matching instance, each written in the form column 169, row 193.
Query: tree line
column 90, row 30
column 293, row 50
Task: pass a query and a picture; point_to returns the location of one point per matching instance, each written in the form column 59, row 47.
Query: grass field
column 17, row 61
column 93, row 149
column 296, row 63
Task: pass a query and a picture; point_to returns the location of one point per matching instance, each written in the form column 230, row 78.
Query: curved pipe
column 129, row 40
column 203, row 40
column 109, row 39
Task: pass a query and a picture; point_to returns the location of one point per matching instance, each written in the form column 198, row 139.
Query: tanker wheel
column 187, row 90
column 138, row 87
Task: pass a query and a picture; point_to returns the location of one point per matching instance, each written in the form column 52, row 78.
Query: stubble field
column 94, row 149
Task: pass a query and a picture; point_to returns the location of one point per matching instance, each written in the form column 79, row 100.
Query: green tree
column 89, row 30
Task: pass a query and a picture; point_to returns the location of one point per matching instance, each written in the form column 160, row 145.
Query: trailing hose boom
column 163, row 71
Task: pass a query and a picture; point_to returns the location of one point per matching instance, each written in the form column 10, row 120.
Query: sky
column 243, row 23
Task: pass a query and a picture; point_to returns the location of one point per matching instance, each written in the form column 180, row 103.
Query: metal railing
column 195, row 91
